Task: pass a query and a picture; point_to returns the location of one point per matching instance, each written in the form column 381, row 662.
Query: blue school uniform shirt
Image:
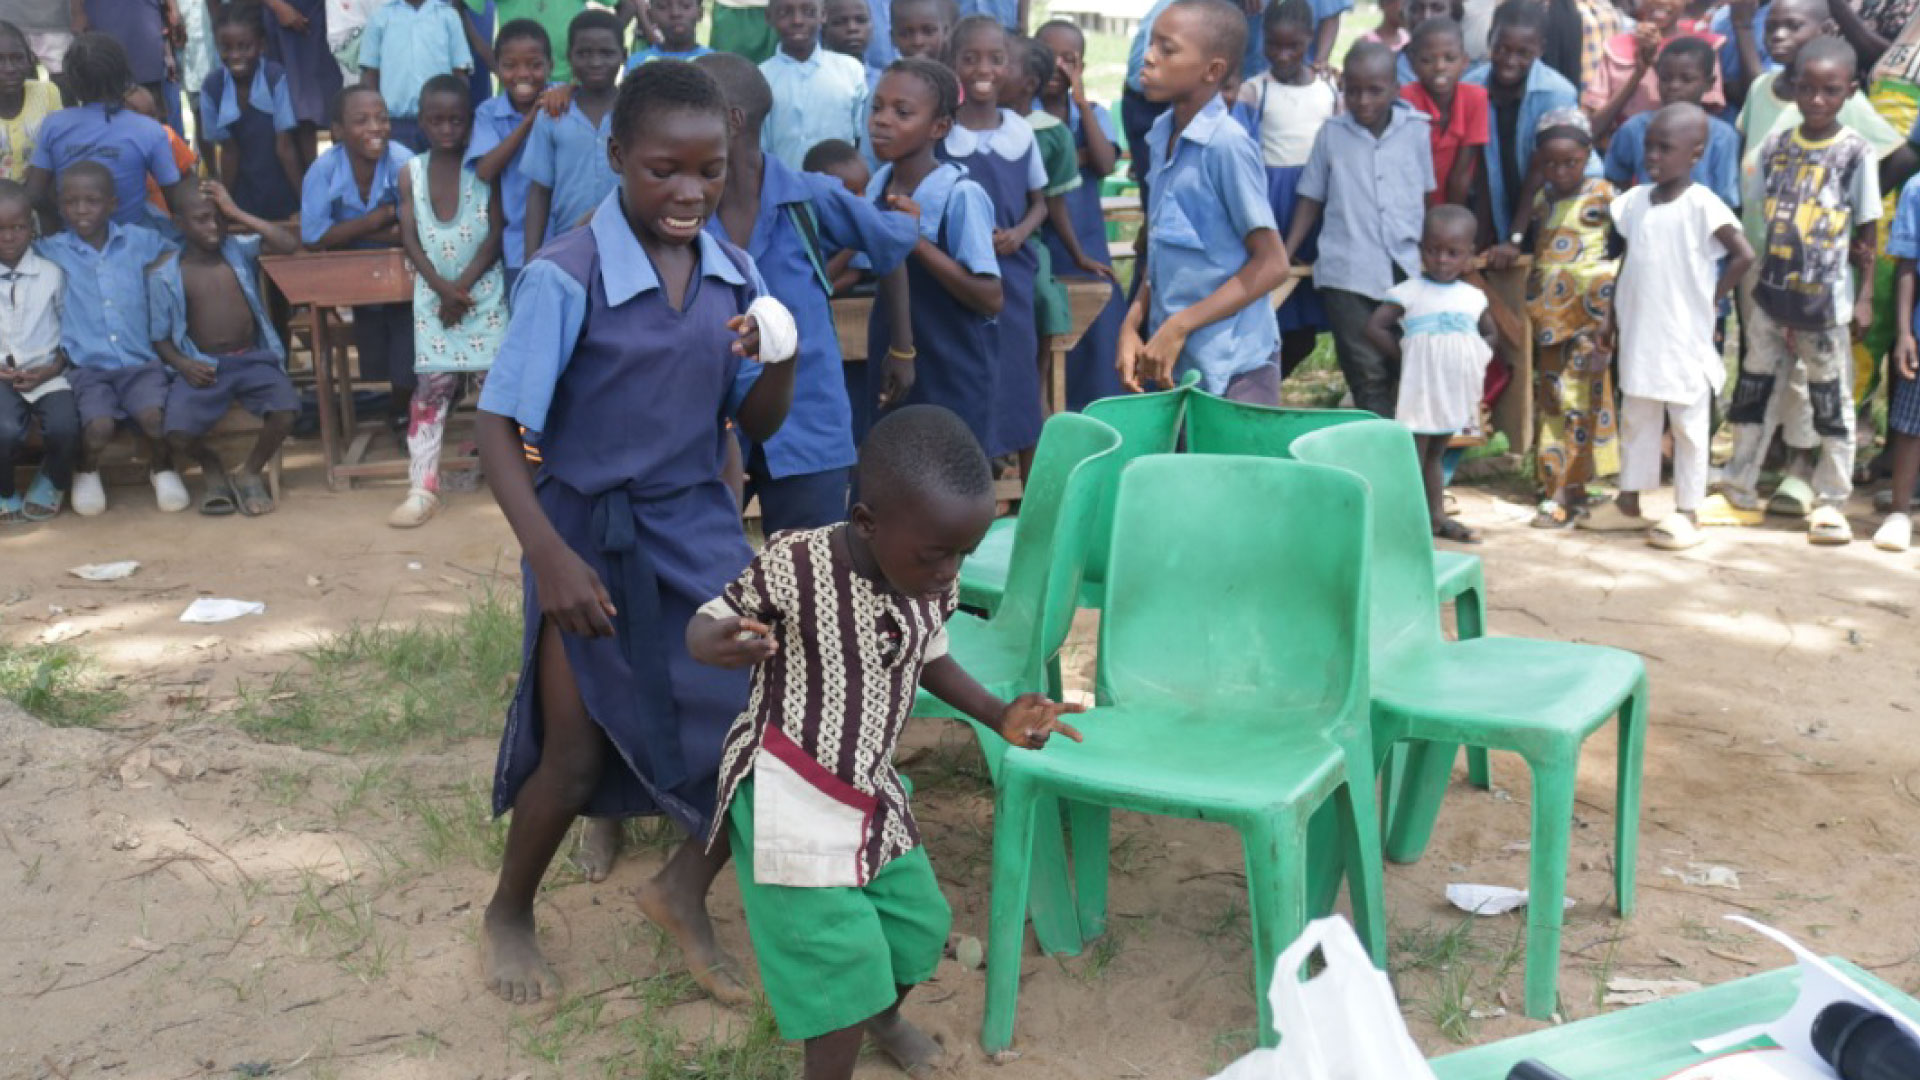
column 1255, row 60
column 167, row 300
column 880, row 50
column 329, row 195
column 945, row 194
column 818, row 432
column 128, row 144
column 267, row 93
column 1718, row 169
column 1374, row 194
column 409, row 45
column 822, row 97
column 655, row 52
column 1904, row 240
column 493, row 122
column 1730, row 66
column 550, row 310
column 1205, row 198
column 567, row 155
column 104, row 308
column 1546, row 90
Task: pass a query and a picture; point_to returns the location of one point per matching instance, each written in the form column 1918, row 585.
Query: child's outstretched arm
column 1063, row 228
column 1386, row 317
column 1027, row 721
column 1741, row 13
column 277, row 239
column 1264, row 270
column 1306, row 214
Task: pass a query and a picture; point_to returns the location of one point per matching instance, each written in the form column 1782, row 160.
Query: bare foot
column 599, row 847
column 510, row 957
column 685, row 919
column 913, row 1050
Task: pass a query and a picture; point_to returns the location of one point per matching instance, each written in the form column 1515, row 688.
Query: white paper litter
column 105, row 571
column 59, row 632
column 1489, row 899
column 1704, row 876
column 1628, row 991
column 213, row 609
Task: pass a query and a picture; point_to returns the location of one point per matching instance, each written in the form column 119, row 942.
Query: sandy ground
column 184, row 901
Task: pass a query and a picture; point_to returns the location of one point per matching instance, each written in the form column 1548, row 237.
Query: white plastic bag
column 1343, row 1024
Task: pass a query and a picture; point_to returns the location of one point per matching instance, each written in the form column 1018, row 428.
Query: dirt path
column 185, row 900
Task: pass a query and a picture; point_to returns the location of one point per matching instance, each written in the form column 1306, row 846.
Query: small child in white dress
column 1444, row 341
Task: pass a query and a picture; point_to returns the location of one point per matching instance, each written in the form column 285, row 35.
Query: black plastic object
column 1862, row 1044
column 1533, row 1070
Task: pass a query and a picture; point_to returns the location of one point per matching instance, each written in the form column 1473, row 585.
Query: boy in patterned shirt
column 842, row 625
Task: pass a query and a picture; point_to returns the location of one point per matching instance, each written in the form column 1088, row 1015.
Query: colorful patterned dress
column 1569, row 293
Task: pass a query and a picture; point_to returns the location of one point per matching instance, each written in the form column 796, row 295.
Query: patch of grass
column 458, row 827
column 386, row 685
column 1425, row 948
column 752, row 1050
column 1102, row 956
column 284, row 786
column 336, row 921
column 554, row 1038
column 56, row 684
column 1449, row 1006
column 1231, row 923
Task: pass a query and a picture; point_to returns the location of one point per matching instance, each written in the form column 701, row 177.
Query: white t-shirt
column 1290, row 116
column 1663, row 298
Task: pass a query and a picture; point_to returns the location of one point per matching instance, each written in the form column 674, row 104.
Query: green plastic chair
column 1229, row 694
column 1538, row 699
column 1017, row 650
column 1148, row 424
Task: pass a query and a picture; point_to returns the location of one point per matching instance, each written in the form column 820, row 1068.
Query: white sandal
column 1895, row 533
column 1676, row 532
column 415, row 510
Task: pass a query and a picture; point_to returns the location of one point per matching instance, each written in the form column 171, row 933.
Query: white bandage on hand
column 779, row 337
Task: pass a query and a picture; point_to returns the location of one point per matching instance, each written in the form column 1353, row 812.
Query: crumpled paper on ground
column 106, row 571
column 213, row 609
column 1488, row 899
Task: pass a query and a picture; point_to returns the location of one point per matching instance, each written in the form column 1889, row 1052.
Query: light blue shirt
column 567, row 155
column 128, row 144
column 1206, row 196
column 822, row 97
column 880, row 50
column 1718, row 170
column 1374, row 191
column 550, row 308
column 493, row 122
column 167, row 300
column 1546, row 90
column 1255, row 60
column 945, row 194
column 1005, row 12
column 1904, row 241
column 1730, row 66
column 330, row 196
column 654, row 52
column 268, row 93
column 409, row 45
column 104, row 309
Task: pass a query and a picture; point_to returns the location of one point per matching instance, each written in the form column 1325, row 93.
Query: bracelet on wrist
column 902, row 354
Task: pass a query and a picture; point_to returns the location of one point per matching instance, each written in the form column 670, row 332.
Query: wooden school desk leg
column 323, row 399
column 349, row 415
column 1056, row 380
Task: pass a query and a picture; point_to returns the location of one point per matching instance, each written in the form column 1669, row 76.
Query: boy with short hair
column 209, row 324
column 115, row 373
column 848, row 30
column 841, row 626
column 566, row 157
column 675, row 21
column 32, row 383
column 817, row 94
column 1685, row 70
column 920, row 27
column 405, row 43
column 1521, row 91
column 1204, row 305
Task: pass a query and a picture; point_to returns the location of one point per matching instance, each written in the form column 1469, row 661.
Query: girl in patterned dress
column 450, row 225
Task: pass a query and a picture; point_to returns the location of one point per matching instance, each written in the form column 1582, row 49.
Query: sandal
column 1550, row 514
column 1608, row 517
column 218, row 500
column 1456, row 532
column 1895, row 533
column 253, row 497
column 43, row 499
column 1675, row 533
column 12, row 510
column 1828, row 527
column 1720, row 510
column 1793, row 498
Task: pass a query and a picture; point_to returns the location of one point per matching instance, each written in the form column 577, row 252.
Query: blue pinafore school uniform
column 1303, row 309
column 1090, row 371
column 627, row 400
column 957, row 368
column 1007, row 180
column 261, row 188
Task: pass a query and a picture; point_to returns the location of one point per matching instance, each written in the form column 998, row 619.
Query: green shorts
column 833, row 958
column 1052, row 314
column 743, row 31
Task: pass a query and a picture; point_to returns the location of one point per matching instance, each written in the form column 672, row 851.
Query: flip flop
column 1608, row 517
column 1675, row 533
column 1828, row 527
column 1720, row 510
column 1793, row 498
column 1456, row 532
column 43, row 499
column 12, row 510
column 218, row 499
column 252, row 495
column 1895, row 533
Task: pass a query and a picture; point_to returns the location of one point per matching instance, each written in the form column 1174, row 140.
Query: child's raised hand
column 288, row 16
column 1031, row 719
column 1646, row 45
column 555, row 100
column 216, row 193
column 733, row 642
column 905, row 205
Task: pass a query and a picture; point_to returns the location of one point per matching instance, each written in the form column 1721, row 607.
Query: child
column 846, row 164
column 247, row 106
column 1090, row 371
column 101, row 129
column 1423, row 11
column 675, row 21
column 848, row 30
column 1392, row 29
column 566, row 158
column 502, row 125
column 554, row 17
column 1818, row 194
column 1570, row 298
column 788, row 221
column 142, row 101
column 297, row 41
column 1204, row 307
column 25, row 103
column 209, row 325
column 627, row 352
column 32, row 383
column 1368, row 176
column 1520, row 91
column 450, row 225
column 817, row 94
column 920, row 27
column 1671, row 283
column 407, row 42
column 841, row 902
column 1445, row 341
column 113, row 369
column 1903, row 414
column 350, row 199
column 1458, row 110
column 1685, row 69
column 953, row 278
column 1619, row 89
column 1291, row 103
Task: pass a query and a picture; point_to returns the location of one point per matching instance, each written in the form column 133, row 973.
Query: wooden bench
column 232, row 437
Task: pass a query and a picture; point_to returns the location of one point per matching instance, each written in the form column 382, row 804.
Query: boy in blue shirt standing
column 817, row 94
column 407, row 42
column 1204, row 306
column 676, row 22
column 566, row 158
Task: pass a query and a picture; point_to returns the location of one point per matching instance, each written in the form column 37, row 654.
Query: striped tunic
column 838, row 688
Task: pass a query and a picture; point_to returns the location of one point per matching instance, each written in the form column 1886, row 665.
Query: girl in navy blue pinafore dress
column 997, row 149
column 257, row 158
column 953, row 276
column 624, row 361
column 298, row 43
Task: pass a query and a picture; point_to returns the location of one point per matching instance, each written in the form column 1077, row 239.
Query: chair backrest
column 1045, row 554
column 1148, row 424
column 1406, row 609
column 1237, row 585
column 1218, row 426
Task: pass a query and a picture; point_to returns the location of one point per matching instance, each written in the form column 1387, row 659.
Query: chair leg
column 1553, row 789
column 1470, row 614
column 1327, row 837
column 1013, row 832
column 1361, row 822
column 1632, row 722
column 1055, row 924
column 1092, row 828
column 1276, row 901
column 1429, row 769
column 1479, row 768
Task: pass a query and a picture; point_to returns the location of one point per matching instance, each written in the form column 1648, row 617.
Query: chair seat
column 1454, row 572
column 1501, row 685
column 983, row 577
